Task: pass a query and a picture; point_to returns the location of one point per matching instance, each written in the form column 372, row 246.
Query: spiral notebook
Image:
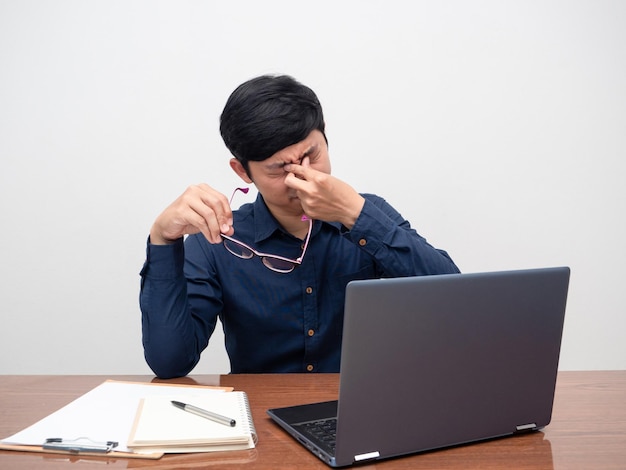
column 162, row 427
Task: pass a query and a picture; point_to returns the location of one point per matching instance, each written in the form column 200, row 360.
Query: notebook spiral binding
column 250, row 422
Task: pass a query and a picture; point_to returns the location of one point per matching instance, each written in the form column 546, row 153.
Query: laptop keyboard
column 323, row 432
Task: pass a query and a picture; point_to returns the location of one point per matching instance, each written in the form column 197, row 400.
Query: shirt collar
column 265, row 224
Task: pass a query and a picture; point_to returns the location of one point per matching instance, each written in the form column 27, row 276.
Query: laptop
column 435, row 361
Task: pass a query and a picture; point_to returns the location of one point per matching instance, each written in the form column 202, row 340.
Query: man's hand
column 323, row 196
column 199, row 209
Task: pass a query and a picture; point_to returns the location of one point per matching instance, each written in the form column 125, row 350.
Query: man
column 275, row 270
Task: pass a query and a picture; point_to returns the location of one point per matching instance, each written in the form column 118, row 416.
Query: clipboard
column 80, row 445
column 84, row 453
column 98, row 423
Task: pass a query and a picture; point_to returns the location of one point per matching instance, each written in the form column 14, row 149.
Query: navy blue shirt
column 272, row 322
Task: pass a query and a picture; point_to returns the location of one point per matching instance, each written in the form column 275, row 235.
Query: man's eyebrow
column 312, row 149
column 275, row 165
column 308, row 152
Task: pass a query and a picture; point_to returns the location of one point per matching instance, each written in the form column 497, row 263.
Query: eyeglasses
column 273, row 262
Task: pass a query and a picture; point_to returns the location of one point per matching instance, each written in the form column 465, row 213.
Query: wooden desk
column 588, row 428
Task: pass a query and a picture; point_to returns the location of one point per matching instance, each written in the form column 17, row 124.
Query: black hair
column 267, row 114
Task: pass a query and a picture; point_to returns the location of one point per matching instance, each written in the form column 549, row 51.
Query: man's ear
column 240, row 170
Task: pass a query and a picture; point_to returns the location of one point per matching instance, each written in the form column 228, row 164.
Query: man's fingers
column 294, row 182
column 221, row 207
column 299, row 171
column 203, row 209
column 213, row 215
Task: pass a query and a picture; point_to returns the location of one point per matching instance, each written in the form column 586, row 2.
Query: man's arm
column 173, row 337
column 371, row 223
column 398, row 249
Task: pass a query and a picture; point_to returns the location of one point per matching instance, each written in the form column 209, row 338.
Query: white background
column 497, row 127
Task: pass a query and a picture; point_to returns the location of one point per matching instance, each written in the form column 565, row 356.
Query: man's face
column 269, row 175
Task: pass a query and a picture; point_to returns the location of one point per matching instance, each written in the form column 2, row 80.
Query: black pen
column 205, row 414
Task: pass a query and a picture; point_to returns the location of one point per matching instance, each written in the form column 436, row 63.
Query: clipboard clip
column 79, row 445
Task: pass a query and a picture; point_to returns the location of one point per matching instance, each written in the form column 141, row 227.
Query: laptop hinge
column 367, row 456
column 526, row 427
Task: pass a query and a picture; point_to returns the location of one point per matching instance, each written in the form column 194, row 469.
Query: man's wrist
column 353, row 212
column 157, row 239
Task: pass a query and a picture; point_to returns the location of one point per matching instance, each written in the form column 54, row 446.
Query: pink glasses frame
column 267, row 257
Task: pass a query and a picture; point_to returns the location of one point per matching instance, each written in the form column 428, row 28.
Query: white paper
column 105, row 413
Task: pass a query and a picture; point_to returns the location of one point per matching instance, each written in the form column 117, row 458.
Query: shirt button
column 309, row 290
column 311, row 332
column 362, row 242
column 309, row 368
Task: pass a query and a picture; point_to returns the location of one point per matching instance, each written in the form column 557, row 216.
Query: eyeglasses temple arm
column 308, row 237
column 232, row 196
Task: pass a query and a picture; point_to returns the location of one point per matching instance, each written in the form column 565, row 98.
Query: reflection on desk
column 588, row 428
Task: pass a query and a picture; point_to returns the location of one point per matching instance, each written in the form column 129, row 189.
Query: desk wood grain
column 588, row 428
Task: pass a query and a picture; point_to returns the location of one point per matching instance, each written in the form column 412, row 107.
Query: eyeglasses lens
column 237, row 249
column 278, row 265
